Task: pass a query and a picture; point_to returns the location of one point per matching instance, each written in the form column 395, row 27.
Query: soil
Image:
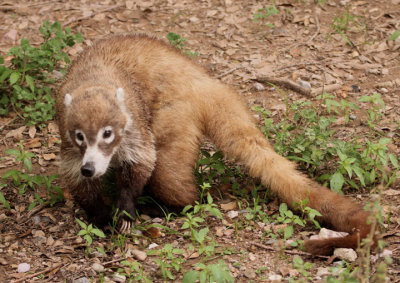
column 298, row 44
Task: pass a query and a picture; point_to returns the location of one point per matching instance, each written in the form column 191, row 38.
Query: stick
column 316, row 33
column 268, row 248
column 38, row 273
column 285, row 83
column 92, row 15
column 227, row 73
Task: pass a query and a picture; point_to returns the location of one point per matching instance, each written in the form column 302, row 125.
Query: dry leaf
column 229, row 206
column 35, row 143
column 53, row 128
column 32, row 131
column 49, row 156
column 152, row 232
column 16, row 134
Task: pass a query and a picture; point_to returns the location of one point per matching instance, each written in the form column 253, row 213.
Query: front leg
column 131, row 179
column 87, row 193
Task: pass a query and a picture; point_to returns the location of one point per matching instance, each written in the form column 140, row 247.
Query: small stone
column 157, row 220
column 36, row 219
column 259, row 87
column 233, row 214
column 24, row 267
column 252, row 257
column 352, row 117
column 98, row 267
column 327, row 234
column 384, row 90
column 346, row 254
column 152, row 246
column 322, row 271
column 119, row 278
column 249, row 273
column 385, row 71
column 81, row 280
column 275, row 277
column 304, row 84
column 139, row 255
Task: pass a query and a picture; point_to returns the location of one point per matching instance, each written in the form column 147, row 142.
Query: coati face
column 96, row 121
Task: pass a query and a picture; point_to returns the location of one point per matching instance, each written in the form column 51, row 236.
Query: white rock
column 275, row 277
column 119, row 278
column 81, row 280
column 139, row 255
column 384, row 90
column 259, row 87
column 98, row 267
column 24, row 267
column 346, row 254
column 322, row 271
column 304, row 84
column 232, row 214
column 326, row 234
column 152, row 246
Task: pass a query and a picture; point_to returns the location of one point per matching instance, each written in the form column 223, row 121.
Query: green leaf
column 190, row 276
column 337, row 182
column 30, row 81
column 13, row 151
column 98, row 233
column 14, row 77
column 4, row 201
column 288, row 232
column 88, row 239
column 82, row 224
column 395, row 35
column 393, row 160
column 28, row 164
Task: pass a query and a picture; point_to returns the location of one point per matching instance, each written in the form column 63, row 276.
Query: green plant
column 89, row 232
column 266, row 12
column 208, row 273
column 395, row 35
column 25, row 83
column 177, row 41
column 170, row 258
column 304, row 268
column 342, row 25
column 24, row 181
column 134, row 271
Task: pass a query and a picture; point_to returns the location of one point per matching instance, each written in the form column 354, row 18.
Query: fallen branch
column 316, row 33
column 269, row 248
column 227, row 73
column 284, row 83
column 93, row 14
column 38, row 273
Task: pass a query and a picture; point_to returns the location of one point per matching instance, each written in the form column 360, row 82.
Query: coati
column 134, row 103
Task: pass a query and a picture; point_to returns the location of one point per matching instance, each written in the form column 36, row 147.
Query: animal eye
column 107, row 134
column 79, row 136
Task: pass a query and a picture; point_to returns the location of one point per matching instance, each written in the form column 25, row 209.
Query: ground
column 298, row 44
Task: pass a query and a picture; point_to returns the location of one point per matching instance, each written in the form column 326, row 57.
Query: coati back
column 134, row 103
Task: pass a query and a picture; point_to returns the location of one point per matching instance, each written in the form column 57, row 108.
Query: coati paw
column 126, row 227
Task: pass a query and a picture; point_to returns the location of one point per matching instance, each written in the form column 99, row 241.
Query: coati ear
column 67, row 99
column 120, row 94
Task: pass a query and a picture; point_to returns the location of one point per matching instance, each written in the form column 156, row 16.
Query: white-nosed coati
column 135, row 103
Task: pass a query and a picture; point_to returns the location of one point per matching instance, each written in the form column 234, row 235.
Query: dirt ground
column 301, row 45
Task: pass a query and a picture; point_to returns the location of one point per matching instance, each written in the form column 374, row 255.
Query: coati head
column 96, row 119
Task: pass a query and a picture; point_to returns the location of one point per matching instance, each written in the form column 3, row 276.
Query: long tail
column 230, row 126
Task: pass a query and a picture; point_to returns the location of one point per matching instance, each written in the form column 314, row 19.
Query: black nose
column 87, row 169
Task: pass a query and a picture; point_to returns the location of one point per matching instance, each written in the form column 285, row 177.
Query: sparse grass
column 177, row 41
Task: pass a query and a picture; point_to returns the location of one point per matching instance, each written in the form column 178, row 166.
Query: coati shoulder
column 133, row 103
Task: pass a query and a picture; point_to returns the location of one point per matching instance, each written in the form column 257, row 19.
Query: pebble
column 249, row 273
column 232, row 214
column 252, row 257
column 119, row 278
column 259, row 87
column 81, row 280
column 152, row 246
column 98, row 267
column 24, row 267
column 304, row 84
column 275, row 277
column 384, row 90
column 346, row 254
column 139, row 255
column 157, row 220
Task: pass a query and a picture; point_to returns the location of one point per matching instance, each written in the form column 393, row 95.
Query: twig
column 93, row 14
column 38, row 273
column 4, row 7
column 6, row 124
column 284, row 83
column 112, row 261
column 227, row 73
column 316, row 33
column 296, row 65
column 268, row 248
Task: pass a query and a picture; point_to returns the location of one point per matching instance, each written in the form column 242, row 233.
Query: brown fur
column 176, row 101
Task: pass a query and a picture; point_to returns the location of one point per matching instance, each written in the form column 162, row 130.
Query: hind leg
column 177, row 146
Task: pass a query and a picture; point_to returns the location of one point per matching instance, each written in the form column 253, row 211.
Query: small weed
column 177, row 41
column 395, row 35
column 218, row 273
column 134, row 271
column 89, row 232
column 168, row 258
column 304, row 269
column 24, row 181
column 266, row 12
column 25, row 83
